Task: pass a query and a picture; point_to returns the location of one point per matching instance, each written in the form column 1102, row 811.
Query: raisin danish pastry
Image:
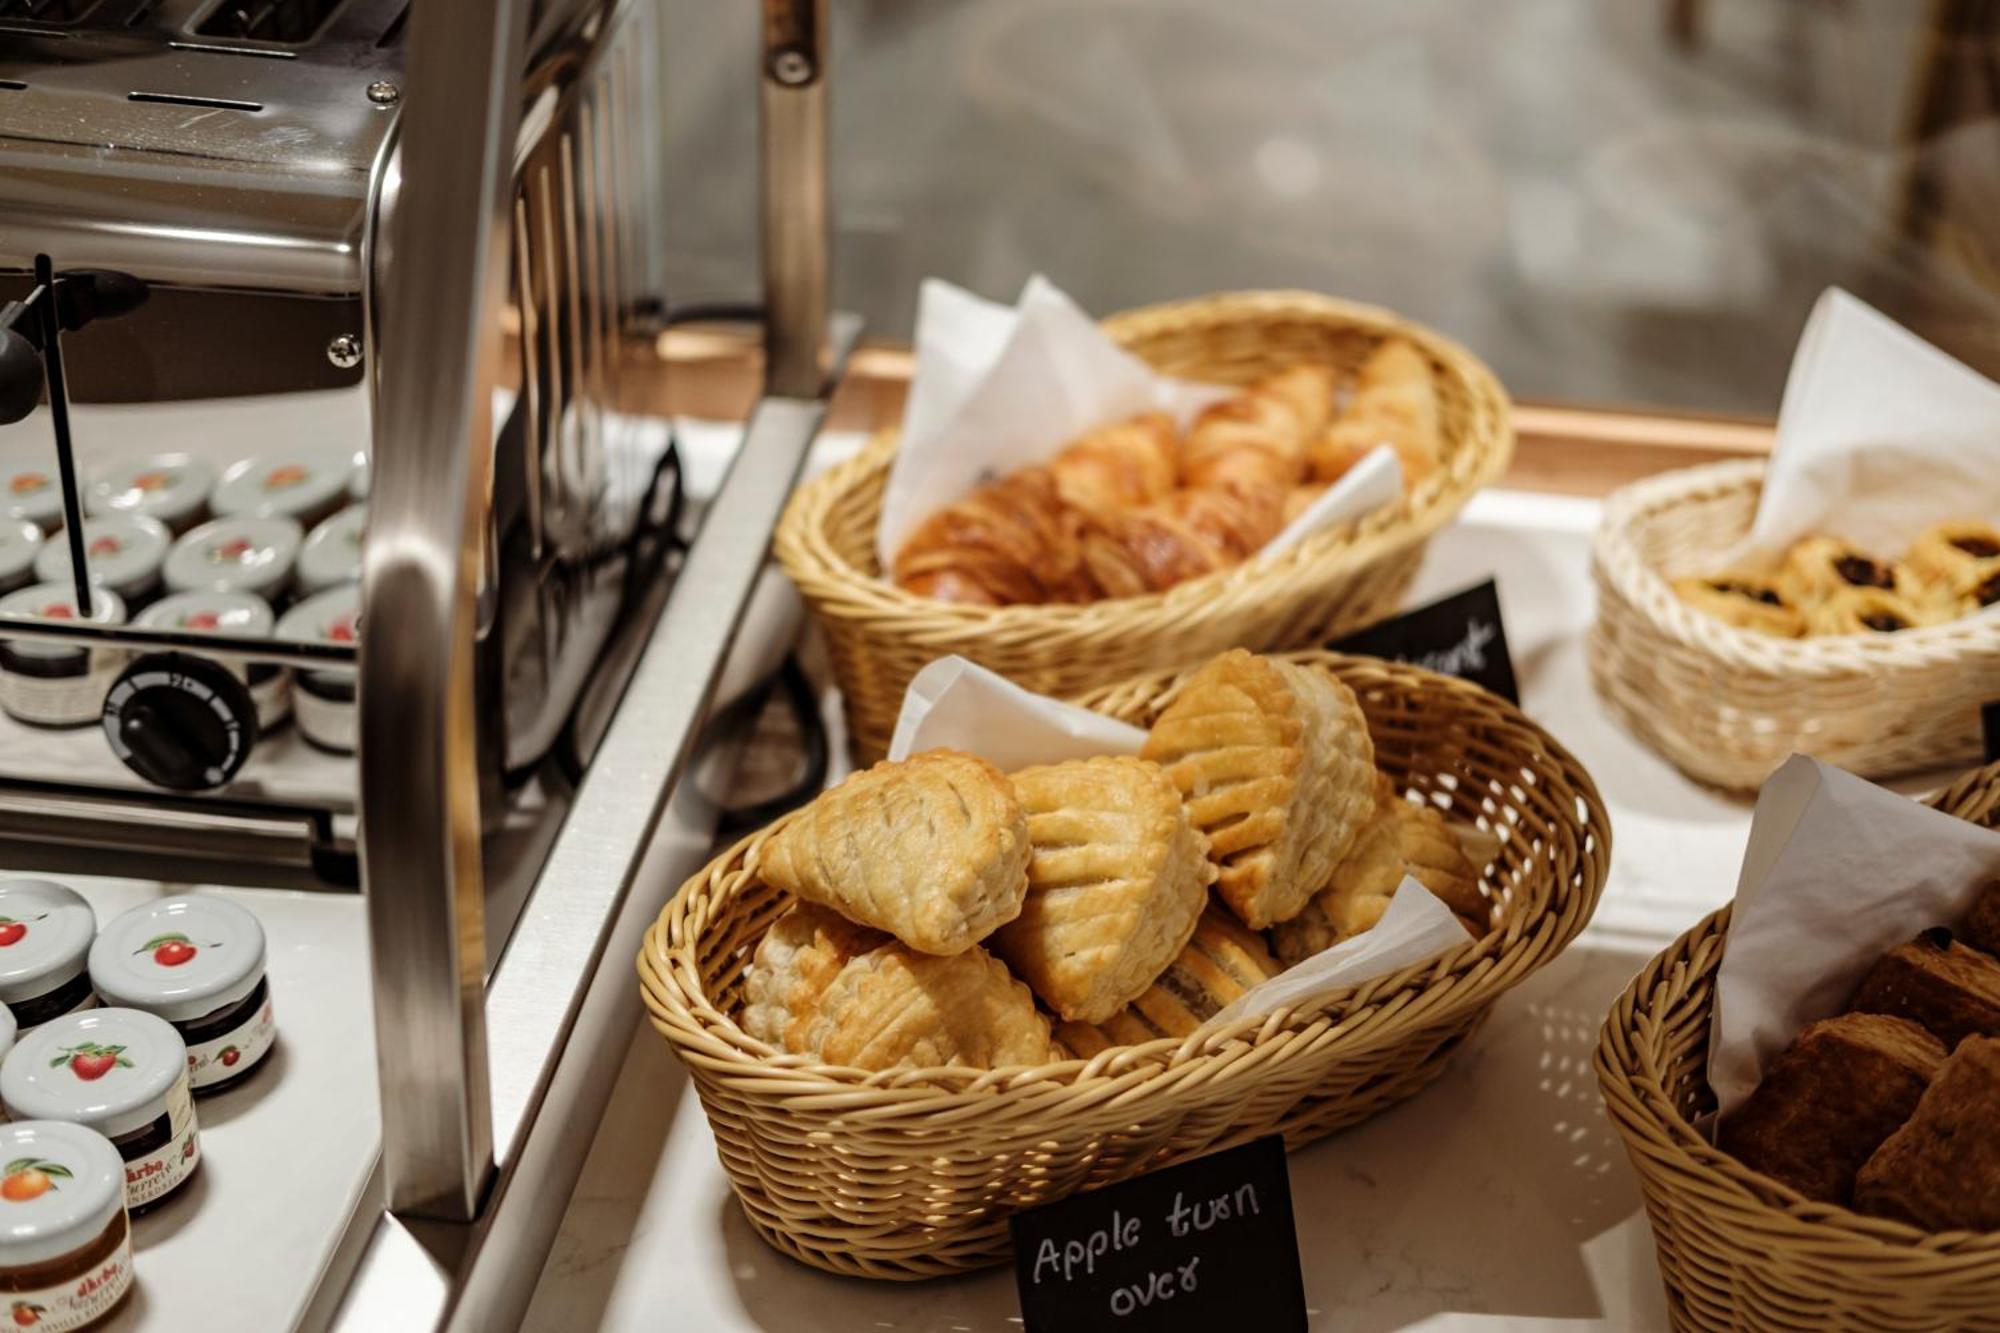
column 1863, row 611
column 932, row 849
column 1116, row 881
column 1943, row 549
column 1277, row 768
column 1818, row 567
column 1747, row 601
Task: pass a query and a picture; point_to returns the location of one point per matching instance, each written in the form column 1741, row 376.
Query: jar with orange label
column 65, row 1238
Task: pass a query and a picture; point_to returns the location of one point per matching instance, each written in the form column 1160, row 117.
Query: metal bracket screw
column 384, row 93
column 791, row 68
column 344, row 351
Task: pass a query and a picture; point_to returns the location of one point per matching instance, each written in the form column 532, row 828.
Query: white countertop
column 1498, row 1198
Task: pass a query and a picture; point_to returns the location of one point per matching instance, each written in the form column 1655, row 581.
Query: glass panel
column 1633, row 203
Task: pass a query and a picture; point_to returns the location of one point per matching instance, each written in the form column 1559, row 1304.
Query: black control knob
column 180, row 721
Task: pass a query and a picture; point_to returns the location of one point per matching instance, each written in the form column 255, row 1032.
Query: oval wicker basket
column 879, row 636
column 1727, row 705
column 913, row 1173
column 1738, row 1250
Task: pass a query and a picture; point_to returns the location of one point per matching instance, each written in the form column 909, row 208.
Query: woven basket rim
column 1419, row 512
column 1433, row 990
column 1622, row 569
column 1663, row 985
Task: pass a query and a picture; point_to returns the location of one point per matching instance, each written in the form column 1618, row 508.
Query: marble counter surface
column 1499, row 1198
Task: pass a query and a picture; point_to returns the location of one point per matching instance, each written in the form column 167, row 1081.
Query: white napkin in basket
column 956, row 704
column 997, row 389
column 1837, row 871
column 1880, row 435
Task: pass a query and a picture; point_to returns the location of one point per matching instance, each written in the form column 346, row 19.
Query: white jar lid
column 238, row 615
column 169, row 487
column 20, row 542
column 181, row 957
column 30, row 488
column 60, row 1186
column 47, row 928
column 236, row 555
column 333, row 616
column 56, row 601
column 283, row 484
column 9, row 1029
column 123, row 553
column 332, row 554
column 357, row 489
column 106, row 1068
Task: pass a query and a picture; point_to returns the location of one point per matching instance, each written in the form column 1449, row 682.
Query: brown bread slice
column 1938, row 983
column 1941, row 1171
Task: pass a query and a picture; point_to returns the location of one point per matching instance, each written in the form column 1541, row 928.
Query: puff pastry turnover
column 933, row 849
column 1278, row 770
column 798, row 958
column 893, row 1007
column 1221, row 961
column 1117, row 878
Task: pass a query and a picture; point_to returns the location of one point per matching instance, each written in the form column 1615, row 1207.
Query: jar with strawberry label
column 20, row 543
column 122, row 1073
column 238, row 615
column 30, row 489
column 45, row 934
column 323, row 702
column 124, row 555
column 197, row 961
column 253, row 555
column 306, row 486
column 65, row 1237
column 172, row 488
column 55, row 684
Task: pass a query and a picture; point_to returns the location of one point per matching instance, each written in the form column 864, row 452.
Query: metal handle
column 792, row 101
column 439, row 318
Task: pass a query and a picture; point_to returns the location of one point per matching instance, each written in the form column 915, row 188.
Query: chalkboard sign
column 1461, row 635
column 1208, row 1244
column 1991, row 715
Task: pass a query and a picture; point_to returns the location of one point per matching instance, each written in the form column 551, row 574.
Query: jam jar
column 198, row 962
column 324, row 701
column 122, row 1073
column 123, row 555
column 45, row 934
column 54, row 684
column 172, row 488
column 306, row 486
column 332, row 554
column 65, row 1239
column 20, row 543
column 29, row 489
column 239, row 615
column 253, row 555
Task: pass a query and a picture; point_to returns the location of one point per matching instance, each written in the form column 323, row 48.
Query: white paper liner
column 1837, row 871
column 1879, row 436
column 996, row 389
column 956, row 704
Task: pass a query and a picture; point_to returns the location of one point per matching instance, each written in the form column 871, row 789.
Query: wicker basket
column 1727, row 705
column 879, row 635
column 912, row 1174
column 1740, row 1251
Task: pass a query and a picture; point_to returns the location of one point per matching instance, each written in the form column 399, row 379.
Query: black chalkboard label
column 1461, row 635
column 1207, row 1244
column 1991, row 716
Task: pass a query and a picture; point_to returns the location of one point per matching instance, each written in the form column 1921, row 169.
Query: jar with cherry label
column 323, row 702
column 253, row 555
column 54, row 684
column 332, row 553
column 65, row 1239
column 20, row 543
column 122, row 1073
column 172, row 488
column 196, row 961
column 236, row 615
column 30, row 489
column 307, row 486
column 45, row 934
column 123, row 554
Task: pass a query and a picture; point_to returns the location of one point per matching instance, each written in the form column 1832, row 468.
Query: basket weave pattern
column 909, row 1174
column 879, row 635
column 1737, row 1250
column 1727, row 705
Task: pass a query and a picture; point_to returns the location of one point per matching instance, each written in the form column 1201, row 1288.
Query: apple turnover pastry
column 1747, row 601
column 932, row 849
column 798, row 958
column 893, row 1007
column 1277, row 768
column 1116, row 880
column 1221, row 961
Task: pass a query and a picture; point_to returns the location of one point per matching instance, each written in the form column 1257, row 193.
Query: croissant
column 932, row 849
column 1119, row 466
column 1395, row 403
column 1190, row 533
column 1012, row 540
column 1260, row 436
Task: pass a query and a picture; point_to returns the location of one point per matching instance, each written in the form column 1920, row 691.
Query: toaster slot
column 268, row 20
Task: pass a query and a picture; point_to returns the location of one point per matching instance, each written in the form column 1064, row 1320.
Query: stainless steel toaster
column 430, row 229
